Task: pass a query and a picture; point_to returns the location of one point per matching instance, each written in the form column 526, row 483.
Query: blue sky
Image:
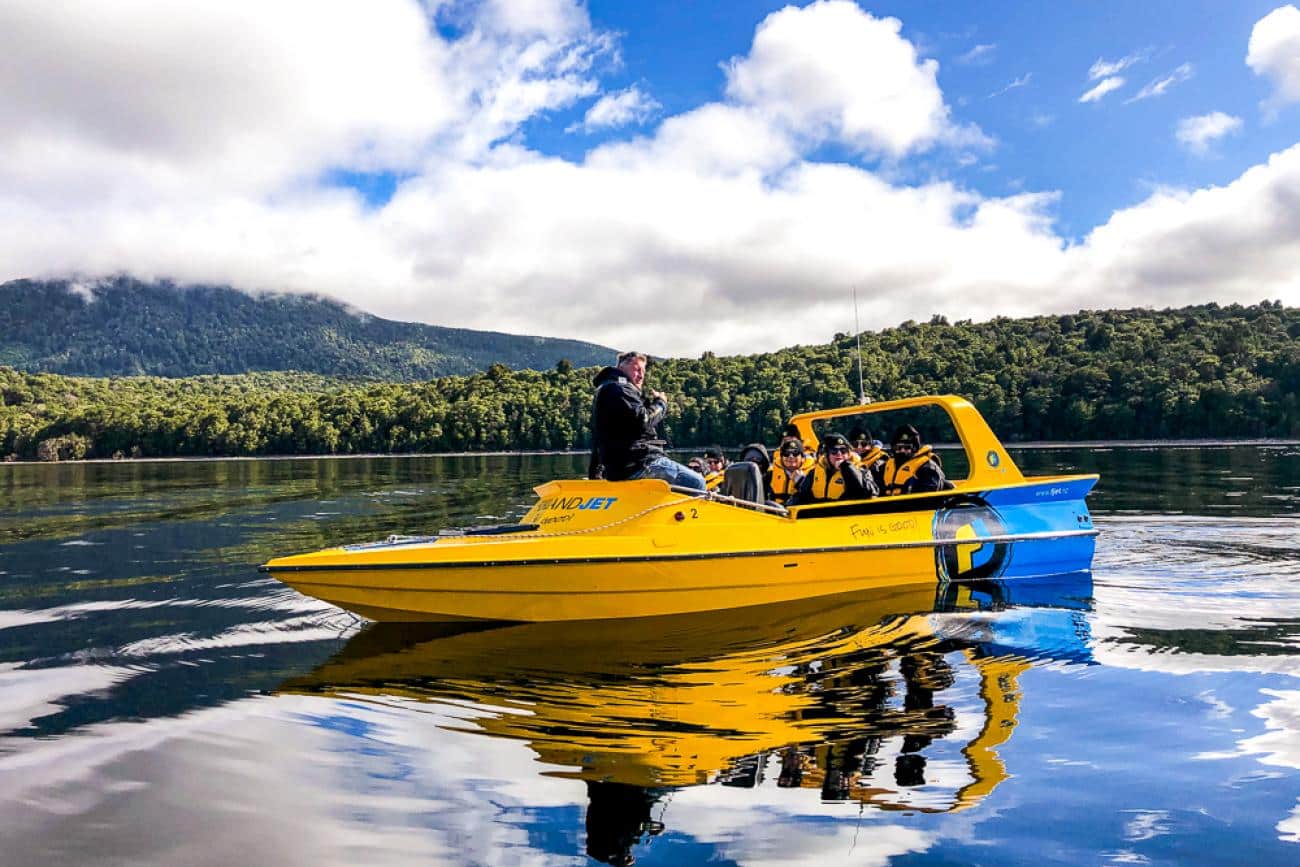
column 679, row 178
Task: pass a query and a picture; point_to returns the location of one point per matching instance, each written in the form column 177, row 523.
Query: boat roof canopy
column 989, row 462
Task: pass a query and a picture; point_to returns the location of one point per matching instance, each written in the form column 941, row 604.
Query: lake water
column 163, row 703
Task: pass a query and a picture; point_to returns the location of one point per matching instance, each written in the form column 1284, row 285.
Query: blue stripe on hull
column 1050, row 557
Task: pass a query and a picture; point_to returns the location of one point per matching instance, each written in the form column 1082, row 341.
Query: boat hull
column 601, row 550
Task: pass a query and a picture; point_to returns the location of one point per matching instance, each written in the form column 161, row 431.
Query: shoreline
column 1044, row 444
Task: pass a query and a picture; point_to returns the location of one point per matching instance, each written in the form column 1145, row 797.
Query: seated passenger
column 757, row 453
column 697, row 464
column 716, row 465
column 914, row 468
column 869, row 453
column 835, row 476
column 791, row 432
column 789, row 470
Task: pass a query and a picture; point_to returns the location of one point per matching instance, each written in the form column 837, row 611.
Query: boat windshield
column 931, row 420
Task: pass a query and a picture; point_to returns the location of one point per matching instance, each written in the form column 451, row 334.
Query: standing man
column 624, row 441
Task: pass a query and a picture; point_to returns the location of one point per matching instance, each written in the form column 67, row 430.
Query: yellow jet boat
column 590, row 550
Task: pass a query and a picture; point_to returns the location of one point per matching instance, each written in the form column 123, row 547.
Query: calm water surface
column 163, row 703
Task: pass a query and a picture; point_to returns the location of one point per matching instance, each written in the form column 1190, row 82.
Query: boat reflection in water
column 898, row 698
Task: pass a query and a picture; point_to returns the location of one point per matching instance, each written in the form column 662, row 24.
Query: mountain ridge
column 123, row 326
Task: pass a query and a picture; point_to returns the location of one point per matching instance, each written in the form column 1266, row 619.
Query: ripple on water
column 1202, row 547
column 27, row 694
column 318, row 626
column 1182, row 593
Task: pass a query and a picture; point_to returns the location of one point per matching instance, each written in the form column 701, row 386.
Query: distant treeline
column 1206, row 371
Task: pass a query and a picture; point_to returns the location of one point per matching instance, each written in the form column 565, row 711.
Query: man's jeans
column 671, row 472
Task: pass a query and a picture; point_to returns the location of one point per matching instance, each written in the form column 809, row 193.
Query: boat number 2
column 681, row 516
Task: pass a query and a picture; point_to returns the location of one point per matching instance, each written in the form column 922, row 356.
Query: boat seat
column 743, row 481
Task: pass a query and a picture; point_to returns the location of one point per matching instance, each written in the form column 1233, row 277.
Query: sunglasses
column 715, row 460
column 838, row 450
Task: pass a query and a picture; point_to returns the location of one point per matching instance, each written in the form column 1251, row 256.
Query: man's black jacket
column 623, row 435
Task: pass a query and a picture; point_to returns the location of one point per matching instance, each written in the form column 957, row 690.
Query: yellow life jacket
column 871, row 458
column 897, row 475
column 714, row 479
column 827, row 483
column 783, row 484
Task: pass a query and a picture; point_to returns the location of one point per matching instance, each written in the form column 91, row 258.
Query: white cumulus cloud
column 1274, row 52
column 1198, row 133
column 1235, row 242
column 131, row 96
column 832, row 71
column 630, row 105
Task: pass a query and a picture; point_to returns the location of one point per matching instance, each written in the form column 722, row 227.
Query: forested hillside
column 126, row 327
column 1204, row 371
